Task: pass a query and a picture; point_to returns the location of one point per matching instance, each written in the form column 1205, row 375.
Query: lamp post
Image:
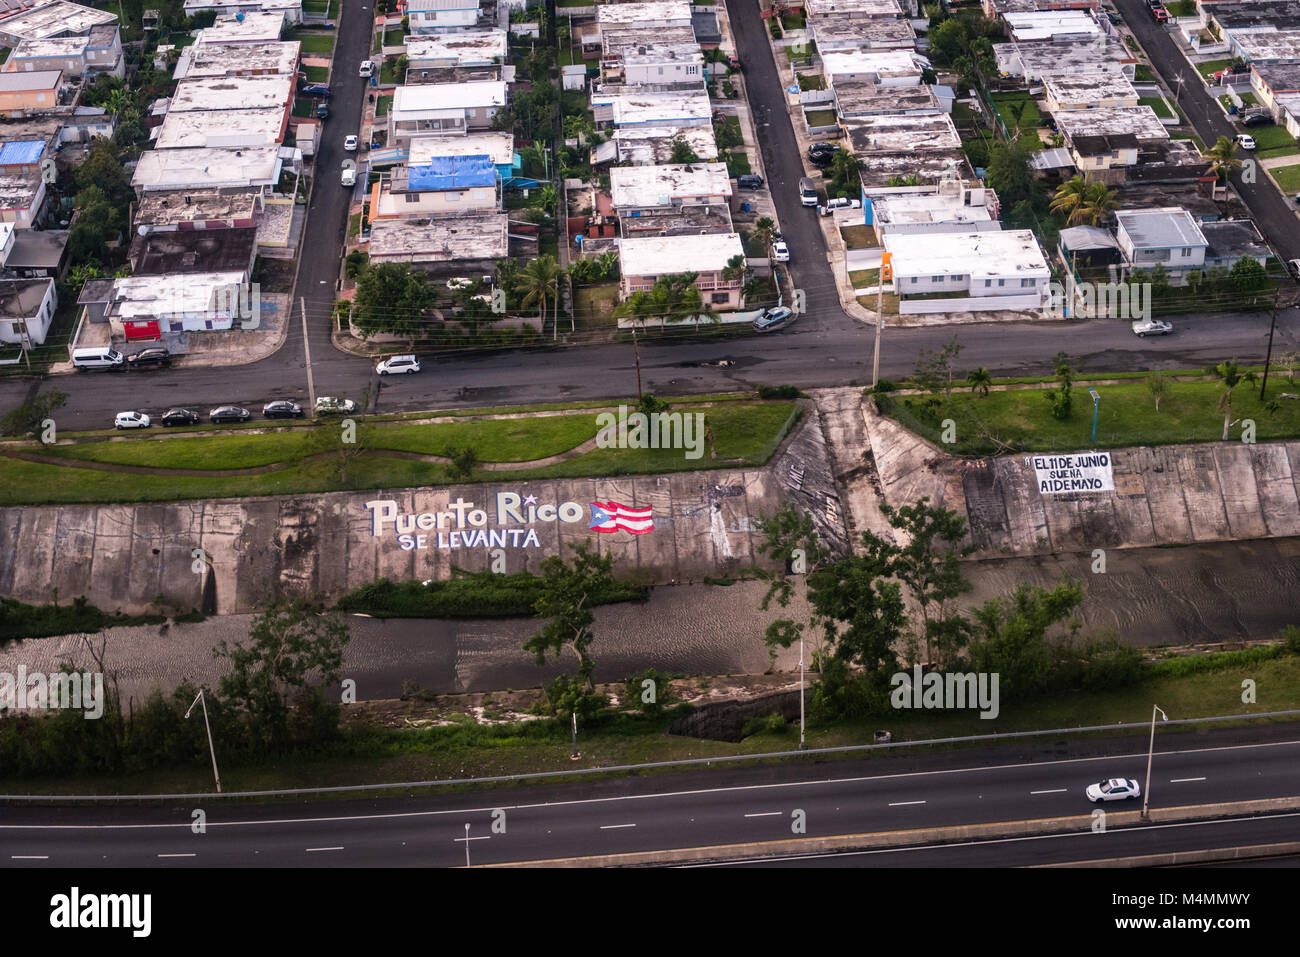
column 576, row 753
column 1146, row 790
column 211, row 750
column 802, row 744
column 1096, row 403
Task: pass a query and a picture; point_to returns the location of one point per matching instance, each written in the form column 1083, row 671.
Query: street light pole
column 1268, row 359
column 211, row 750
column 1096, row 404
column 802, row 745
column 1146, row 790
column 576, row 754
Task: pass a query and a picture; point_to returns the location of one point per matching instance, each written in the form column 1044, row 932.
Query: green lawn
column 1210, row 67
column 859, row 237
column 888, row 302
column 394, row 38
column 744, row 433
column 594, row 305
column 317, row 74
column 316, row 42
column 1127, row 417
column 383, row 105
column 302, row 107
column 1144, row 74
column 864, row 277
column 820, row 118
column 1288, row 177
column 1273, row 141
column 388, row 72
column 1158, row 104
column 737, row 163
column 812, row 81
column 1004, row 103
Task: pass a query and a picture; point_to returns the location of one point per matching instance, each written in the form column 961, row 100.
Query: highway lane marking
column 310, row 849
column 1053, row 791
column 766, row 814
column 178, row 855
column 488, row 809
column 611, row 827
column 1184, row 780
column 905, row 803
column 29, row 857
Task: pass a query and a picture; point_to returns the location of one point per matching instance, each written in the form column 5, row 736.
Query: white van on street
column 98, row 357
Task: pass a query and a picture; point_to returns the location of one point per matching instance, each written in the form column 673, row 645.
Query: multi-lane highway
column 727, row 807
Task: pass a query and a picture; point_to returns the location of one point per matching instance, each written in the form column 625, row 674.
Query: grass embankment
column 1126, row 417
column 744, row 433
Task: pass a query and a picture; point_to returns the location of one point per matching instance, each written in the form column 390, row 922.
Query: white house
column 882, row 67
column 26, row 310
column 651, row 16
column 950, row 207
column 635, row 106
column 1169, row 236
column 190, row 302
column 643, row 260
column 462, row 48
column 640, row 59
column 441, row 108
column 985, row 269
column 635, row 190
column 1088, row 91
column 433, row 16
column 291, row 10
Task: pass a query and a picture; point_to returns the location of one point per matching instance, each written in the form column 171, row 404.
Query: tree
column 789, row 538
column 566, row 599
column 1059, row 398
column 672, row 298
column 288, row 645
column 1223, row 157
column 764, row 231
column 1069, row 199
column 1009, row 170
column 1099, row 201
column 846, row 167
column 980, row 379
column 1009, row 635
column 862, row 609
column 1248, row 275
column 937, row 368
column 343, row 442
column 735, row 268
column 539, row 282
column 29, row 416
column 1230, row 376
column 391, row 297
column 682, row 152
column 1158, row 385
column 950, row 38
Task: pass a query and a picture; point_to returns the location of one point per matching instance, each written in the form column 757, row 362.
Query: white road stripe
column 1184, row 780
column 766, row 814
column 310, row 849
column 905, row 803
column 611, row 827
column 1054, row 791
column 29, row 857
column 178, row 855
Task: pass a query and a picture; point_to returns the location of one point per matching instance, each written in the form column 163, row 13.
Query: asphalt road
column 654, row 814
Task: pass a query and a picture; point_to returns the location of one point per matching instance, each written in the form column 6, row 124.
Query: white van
column 807, row 192
column 100, row 357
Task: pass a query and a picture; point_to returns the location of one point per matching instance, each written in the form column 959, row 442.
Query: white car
column 1152, row 327
column 459, row 282
column 350, row 143
column 395, row 364
column 1245, row 141
column 131, row 420
column 1294, row 266
column 839, row 203
column 349, row 177
column 780, row 251
column 1116, row 789
column 367, row 68
column 328, row 405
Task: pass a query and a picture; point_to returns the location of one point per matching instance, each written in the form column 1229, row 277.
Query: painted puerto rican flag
column 613, row 516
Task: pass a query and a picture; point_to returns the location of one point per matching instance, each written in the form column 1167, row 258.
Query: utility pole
column 1146, row 790
column 1272, row 325
column 636, row 351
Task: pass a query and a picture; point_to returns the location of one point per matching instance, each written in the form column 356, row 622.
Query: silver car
column 1152, row 327
column 1116, row 789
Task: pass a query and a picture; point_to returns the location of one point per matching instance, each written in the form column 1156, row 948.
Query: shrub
column 779, row 392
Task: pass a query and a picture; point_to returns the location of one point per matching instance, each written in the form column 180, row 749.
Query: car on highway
column 229, row 413
column 838, row 202
column 1116, row 789
column 780, row 251
column 282, row 409
column 328, row 405
column 1152, row 327
column 1245, row 142
column 771, row 318
column 367, row 68
column 149, row 358
column 180, row 417
column 398, row 364
column 350, row 143
column 131, row 420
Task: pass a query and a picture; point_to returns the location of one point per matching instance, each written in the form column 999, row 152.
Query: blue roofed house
column 443, row 186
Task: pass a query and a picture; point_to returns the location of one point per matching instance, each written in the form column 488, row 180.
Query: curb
column 1188, row 857
column 898, row 839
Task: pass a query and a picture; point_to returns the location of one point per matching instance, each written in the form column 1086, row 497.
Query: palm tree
column 1098, row 203
column 1069, row 198
column 764, row 231
column 1223, row 157
column 1230, row 376
column 980, row 379
column 540, row 281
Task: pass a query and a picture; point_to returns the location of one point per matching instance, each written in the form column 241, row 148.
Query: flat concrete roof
column 498, row 145
column 139, row 297
column 255, row 26
column 170, row 207
column 54, row 19
column 1256, row 13
column 20, row 298
column 884, row 63
column 654, row 144
column 1170, row 227
column 933, row 207
column 449, row 96
column 672, row 255
column 53, row 47
column 863, row 97
column 17, row 81
column 921, row 132
column 448, row 239
column 1229, row 239
column 638, row 106
column 220, row 129
column 464, row 47
column 37, row 248
column 1089, row 87
column 192, row 250
column 1277, row 46
column 1279, row 77
column 1044, row 25
column 841, row 35
column 614, row 14
column 658, row 49
column 214, row 59
column 979, row 255
column 637, row 186
column 232, row 93
column 929, row 167
column 1138, row 121
column 1041, row 58
column 212, row 168
column 18, row 188
column 851, row 8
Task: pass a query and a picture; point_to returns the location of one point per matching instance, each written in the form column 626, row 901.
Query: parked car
column 1114, row 17
column 822, row 153
column 780, row 251
column 149, row 358
column 839, row 203
column 1259, row 118
column 807, row 191
column 1152, row 327
column 350, row 143
column 749, row 181
column 1294, row 266
column 328, row 405
column 97, row 357
column 229, row 413
column 395, row 364
column 367, row 68
column 771, row 318
column 1159, row 13
column 322, row 111
column 282, row 409
column 316, row 89
column 459, row 282
column 131, row 420
column 180, row 417
column 348, row 177
column 1116, row 789
column 1244, row 141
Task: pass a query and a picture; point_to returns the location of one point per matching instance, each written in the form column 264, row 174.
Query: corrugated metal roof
column 453, row 172
column 21, row 152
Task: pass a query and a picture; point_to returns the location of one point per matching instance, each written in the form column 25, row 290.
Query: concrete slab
column 1275, row 483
